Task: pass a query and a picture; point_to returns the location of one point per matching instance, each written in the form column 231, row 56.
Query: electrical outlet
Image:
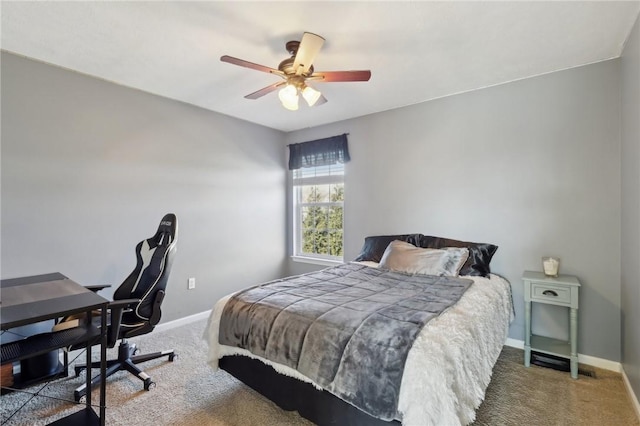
column 191, row 284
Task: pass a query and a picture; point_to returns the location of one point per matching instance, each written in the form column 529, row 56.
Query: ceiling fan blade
column 309, row 47
column 265, row 90
column 247, row 64
column 332, row 76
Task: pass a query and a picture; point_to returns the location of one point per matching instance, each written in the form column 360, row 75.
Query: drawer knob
column 550, row 293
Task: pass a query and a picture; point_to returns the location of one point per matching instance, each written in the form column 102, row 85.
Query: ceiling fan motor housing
column 292, row 47
column 287, row 67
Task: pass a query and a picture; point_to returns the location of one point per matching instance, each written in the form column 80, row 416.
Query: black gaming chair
column 135, row 309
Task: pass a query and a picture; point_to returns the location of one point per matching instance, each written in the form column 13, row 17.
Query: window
column 317, row 176
column 318, row 205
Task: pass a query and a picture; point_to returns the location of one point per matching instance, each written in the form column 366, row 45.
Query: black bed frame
column 321, row 407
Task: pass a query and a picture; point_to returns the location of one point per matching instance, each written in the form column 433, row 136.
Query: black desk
column 28, row 300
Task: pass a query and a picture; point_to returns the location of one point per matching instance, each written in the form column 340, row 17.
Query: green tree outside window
column 322, row 219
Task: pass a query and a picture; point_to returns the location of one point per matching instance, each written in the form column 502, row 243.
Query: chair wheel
column 78, row 370
column 82, row 399
column 148, row 385
column 172, row 357
column 136, row 351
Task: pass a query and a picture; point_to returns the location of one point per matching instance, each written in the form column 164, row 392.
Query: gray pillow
column 409, row 259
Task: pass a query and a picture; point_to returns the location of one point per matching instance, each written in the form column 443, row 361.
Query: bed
column 424, row 357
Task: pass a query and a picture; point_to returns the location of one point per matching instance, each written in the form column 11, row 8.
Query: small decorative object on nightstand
column 550, row 266
column 561, row 291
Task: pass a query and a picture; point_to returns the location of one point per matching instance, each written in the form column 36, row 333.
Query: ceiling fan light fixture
column 311, row 95
column 289, row 97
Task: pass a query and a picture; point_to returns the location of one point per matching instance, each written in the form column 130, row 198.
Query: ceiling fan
column 297, row 71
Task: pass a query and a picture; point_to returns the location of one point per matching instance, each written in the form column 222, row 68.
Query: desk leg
column 527, row 334
column 103, row 367
column 88, row 359
column 573, row 320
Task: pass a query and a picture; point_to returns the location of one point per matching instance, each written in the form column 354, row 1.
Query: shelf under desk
column 42, row 343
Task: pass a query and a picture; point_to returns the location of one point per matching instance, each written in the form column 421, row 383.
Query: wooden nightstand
column 561, row 291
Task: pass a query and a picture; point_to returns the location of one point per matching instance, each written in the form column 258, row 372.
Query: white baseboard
column 183, row 321
column 518, row 344
column 600, row 363
column 583, row 359
column 632, row 394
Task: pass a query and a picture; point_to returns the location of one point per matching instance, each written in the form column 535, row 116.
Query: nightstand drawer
column 549, row 293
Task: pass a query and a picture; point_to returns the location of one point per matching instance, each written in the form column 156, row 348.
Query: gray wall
column 532, row 166
column 631, row 208
column 89, row 168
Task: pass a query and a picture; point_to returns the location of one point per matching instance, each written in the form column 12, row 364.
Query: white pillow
column 404, row 257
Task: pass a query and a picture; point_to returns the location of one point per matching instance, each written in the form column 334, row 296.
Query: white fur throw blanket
column 449, row 365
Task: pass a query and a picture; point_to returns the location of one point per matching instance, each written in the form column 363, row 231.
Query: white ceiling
column 416, row 50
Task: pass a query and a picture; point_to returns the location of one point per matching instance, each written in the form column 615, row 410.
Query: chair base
column 126, row 361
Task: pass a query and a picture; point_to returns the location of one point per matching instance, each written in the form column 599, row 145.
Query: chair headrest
column 167, row 232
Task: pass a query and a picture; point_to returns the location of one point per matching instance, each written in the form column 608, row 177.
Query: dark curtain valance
column 321, row 152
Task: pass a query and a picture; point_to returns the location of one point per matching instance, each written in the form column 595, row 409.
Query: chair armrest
column 122, row 303
column 97, row 288
column 116, row 307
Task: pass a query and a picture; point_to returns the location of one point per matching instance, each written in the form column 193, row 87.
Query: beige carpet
column 541, row 396
column 189, row 393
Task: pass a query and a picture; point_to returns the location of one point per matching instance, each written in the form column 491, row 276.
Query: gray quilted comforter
column 348, row 328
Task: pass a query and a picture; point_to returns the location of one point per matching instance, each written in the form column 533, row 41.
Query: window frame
column 336, row 175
